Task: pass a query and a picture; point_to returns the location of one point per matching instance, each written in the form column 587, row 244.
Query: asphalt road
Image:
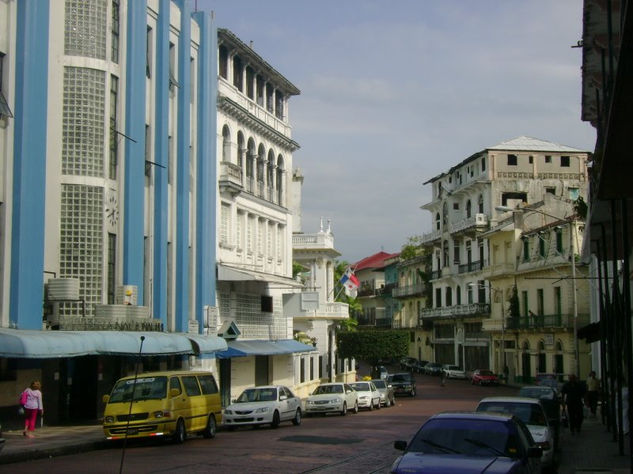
column 361, row 443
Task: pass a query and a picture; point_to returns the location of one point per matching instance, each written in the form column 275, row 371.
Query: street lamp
column 573, row 274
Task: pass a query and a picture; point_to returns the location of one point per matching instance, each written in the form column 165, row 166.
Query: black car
column 403, row 383
column 433, row 368
column 419, row 366
column 406, row 363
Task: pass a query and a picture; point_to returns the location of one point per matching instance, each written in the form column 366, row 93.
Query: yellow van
column 163, row 404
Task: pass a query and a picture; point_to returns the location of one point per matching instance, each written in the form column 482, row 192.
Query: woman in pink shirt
column 32, row 406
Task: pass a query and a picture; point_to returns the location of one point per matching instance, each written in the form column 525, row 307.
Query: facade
column 463, row 208
column 372, row 294
column 258, row 195
column 315, row 313
column 106, row 194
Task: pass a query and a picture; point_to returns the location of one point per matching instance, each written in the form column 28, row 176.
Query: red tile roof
column 375, row 261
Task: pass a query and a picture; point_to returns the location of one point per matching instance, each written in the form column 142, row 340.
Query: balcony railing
column 472, row 266
column 540, row 321
column 431, row 236
column 230, row 176
column 408, row 290
column 455, row 310
column 478, row 220
column 318, row 241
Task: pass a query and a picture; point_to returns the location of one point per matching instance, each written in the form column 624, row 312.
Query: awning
column 33, row 344
column 228, row 273
column 263, row 347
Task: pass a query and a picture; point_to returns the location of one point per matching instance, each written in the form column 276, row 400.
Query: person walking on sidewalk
column 32, row 406
column 573, row 396
column 593, row 388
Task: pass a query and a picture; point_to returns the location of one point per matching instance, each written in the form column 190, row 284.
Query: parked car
column 379, row 372
column 419, row 366
column 531, row 412
column 406, row 363
column 332, row 398
column 548, row 380
column 403, row 383
column 387, row 397
column 484, row 377
column 270, row 404
column 453, row 371
column 470, row 442
column 368, row 394
column 170, row 404
column 433, row 368
column 551, row 402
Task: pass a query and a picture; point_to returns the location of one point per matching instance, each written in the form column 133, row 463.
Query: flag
column 349, row 282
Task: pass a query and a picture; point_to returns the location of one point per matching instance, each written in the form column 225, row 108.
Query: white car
column 531, row 412
column 368, row 394
column 269, row 404
column 332, row 398
column 453, row 372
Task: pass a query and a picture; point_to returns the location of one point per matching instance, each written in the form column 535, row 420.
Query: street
column 361, row 443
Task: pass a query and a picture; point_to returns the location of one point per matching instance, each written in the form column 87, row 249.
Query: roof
column 375, row 261
column 524, row 143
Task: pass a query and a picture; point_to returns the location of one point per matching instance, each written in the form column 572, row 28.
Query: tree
column 372, row 345
column 412, row 248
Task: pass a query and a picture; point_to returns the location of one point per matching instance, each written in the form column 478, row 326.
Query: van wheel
column 297, row 419
column 181, row 432
column 275, row 422
column 209, row 431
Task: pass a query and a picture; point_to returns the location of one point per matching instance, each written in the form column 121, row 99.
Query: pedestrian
column 593, row 390
column 573, row 396
column 32, row 397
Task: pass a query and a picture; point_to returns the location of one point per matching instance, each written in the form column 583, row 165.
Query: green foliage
column 297, row 268
column 412, row 248
column 580, row 207
column 373, row 345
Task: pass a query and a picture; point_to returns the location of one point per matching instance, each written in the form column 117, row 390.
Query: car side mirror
column 106, row 398
column 400, row 445
column 535, row 452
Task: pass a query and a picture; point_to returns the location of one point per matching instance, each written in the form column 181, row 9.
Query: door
column 261, row 370
column 225, row 382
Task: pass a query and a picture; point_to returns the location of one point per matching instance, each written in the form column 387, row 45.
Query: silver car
column 387, row 398
column 332, row 398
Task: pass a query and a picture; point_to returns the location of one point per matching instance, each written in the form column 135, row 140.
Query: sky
column 396, row 92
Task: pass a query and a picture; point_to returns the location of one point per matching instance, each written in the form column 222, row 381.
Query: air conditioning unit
column 481, row 219
column 63, row 289
column 126, row 294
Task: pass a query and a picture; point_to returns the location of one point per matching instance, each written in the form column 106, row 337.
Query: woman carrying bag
column 33, row 405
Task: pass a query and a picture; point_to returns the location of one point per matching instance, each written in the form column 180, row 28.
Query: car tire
column 276, row 420
column 387, row 403
column 378, row 404
column 344, row 411
column 297, row 419
column 209, row 431
column 355, row 407
column 181, row 432
column 371, row 404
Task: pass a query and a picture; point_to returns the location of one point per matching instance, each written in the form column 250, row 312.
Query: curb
column 49, row 452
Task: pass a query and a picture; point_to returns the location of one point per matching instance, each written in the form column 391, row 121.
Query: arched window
column 458, row 294
column 250, row 158
column 445, row 215
column 449, row 296
column 469, row 210
column 226, row 144
column 437, row 221
column 240, row 151
column 270, row 174
column 261, row 157
column 445, row 253
column 480, row 204
column 542, row 362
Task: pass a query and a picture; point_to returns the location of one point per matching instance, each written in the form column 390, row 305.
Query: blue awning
column 263, row 347
column 33, row 344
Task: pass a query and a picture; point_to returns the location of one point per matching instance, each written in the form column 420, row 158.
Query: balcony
column 408, row 291
column 472, row 266
column 474, row 309
column 431, row 236
column 319, row 241
column 305, row 305
column 476, row 222
column 543, row 321
column 230, row 178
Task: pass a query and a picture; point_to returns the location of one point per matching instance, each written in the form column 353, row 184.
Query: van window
column 207, row 384
column 174, row 382
column 191, row 385
column 142, row 387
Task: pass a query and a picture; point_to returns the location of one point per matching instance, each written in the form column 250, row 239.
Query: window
column 559, row 240
column 302, row 370
column 114, row 139
column 225, row 223
column 148, row 53
column 224, row 62
column 530, row 159
column 437, row 221
column 564, row 161
column 468, row 209
column 548, row 158
column 111, row 267
column 483, row 165
column 207, row 384
column 5, row 111
column 550, row 190
column 512, row 160
column 269, row 97
column 526, row 249
column 480, row 204
column 541, row 246
column 259, row 90
column 250, row 84
column 558, row 301
column 191, row 385
column 574, row 193
column 238, row 70
column 524, row 298
column 279, row 105
column 438, row 297
column 456, row 206
column 114, row 55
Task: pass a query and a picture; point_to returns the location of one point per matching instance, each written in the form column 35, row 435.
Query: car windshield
column 145, row 388
column 487, row 373
column 380, row 383
column 528, row 413
column 324, row 389
column 257, row 395
column 400, row 378
column 361, row 386
column 468, row 437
